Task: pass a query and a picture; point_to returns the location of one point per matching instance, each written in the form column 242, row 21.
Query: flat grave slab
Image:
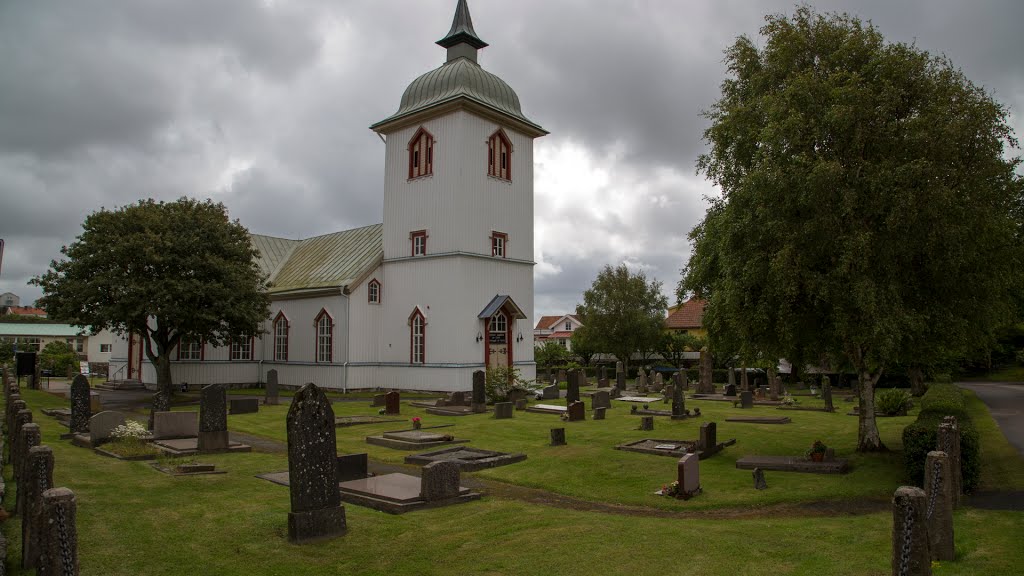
column 643, row 412
column 675, row 448
column 452, row 411
column 342, row 421
column 413, row 439
column 641, row 399
column 395, row 494
column 590, row 392
column 548, row 409
column 190, row 446
column 188, row 470
column 468, row 459
column 760, row 420
column 802, row 408
column 793, row 464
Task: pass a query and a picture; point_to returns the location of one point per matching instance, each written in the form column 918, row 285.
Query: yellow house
column 687, row 318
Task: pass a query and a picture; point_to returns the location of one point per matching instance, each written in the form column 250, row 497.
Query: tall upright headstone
column 910, row 554
column 949, row 442
column 744, row 379
column 38, row 478
column 600, row 399
column 272, row 396
column 746, row 399
column 826, row 393
column 688, row 475
column 678, row 400
column 705, row 381
column 392, row 403
column 572, row 392
column 659, row 381
column 213, row 418
column 312, row 468
column 939, row 508
column 731, row 372
column 60, row 554
column 576, row 412
column 641, row 381
column 479, row 403
column 776, row 387
column 708, row 440
column 602, row 373
column 81, row 410
column 620, row 380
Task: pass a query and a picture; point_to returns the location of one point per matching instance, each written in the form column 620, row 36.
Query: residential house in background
column 34, row 336
column 556, row 329
column 8, row 299
column 688, row 318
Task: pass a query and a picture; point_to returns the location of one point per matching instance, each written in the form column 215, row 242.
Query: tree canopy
column 622, row 312
column 161, row 270
column 868, row 214
column 60, row 357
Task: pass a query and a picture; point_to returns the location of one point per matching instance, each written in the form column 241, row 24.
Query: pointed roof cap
column 462, row 29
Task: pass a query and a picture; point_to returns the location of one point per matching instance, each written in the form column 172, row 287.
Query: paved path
column 1005, row 401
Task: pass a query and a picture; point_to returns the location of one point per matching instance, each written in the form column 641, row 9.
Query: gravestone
column 502, row 410
column 678, row 400
column 378, row 400
column 352, row 467
column 391, row 403
column 744, row 379
column 167, row 425
column 213, row 418
column 60, row 533
column 28, row 437
column 706, row 384
column 659, row 381
column 732, row 377
column 440, row 480
column 576, row 412
column 602, row 383
column 939, row 508
column 244, row 405
column 558, row 436
column 641, row 381
column 948, row 441
column 746, row 399
column 521, row 404
column 620, row 380
column 316, row 510
column 708, row 440
column 479, row 392
column 688, row 475
column 599, row 413
column 161, row 403
column 101, row 426
column 600, row 399
column 910, row 554
column 759, row 482
column 271, row 397
column 80, row 407
column 647, row 422
column 602, row 374
column 730, row 390
column 550, row 392
column 776, row 388
column 457, row 399
column 38, row 478
column 572, row 393
column 826, row 394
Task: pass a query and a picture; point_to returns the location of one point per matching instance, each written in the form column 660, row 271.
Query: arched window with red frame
column 281, row 327
column 324, row 325
column 417, row 337
column 421, row 154
column 499, row 156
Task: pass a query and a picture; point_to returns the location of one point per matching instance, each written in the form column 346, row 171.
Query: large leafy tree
column 868, row 213
column 59, row 357
column 674, row 345
column 550, row 354
column 622, row 312
column 164, row 271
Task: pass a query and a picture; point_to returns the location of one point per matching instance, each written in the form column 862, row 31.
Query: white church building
column 441, row 288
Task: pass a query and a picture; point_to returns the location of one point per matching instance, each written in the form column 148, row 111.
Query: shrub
column 943, row 400
column 893, row 402
column 921, row 437
column 500, row 381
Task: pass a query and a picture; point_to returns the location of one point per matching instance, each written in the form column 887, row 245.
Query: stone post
column 24, row 416
column 60, row 533
column 678, row 399
column 949, row 442
column 938, row 489
column 28, row 436
column 910, row 554
column 38, row 478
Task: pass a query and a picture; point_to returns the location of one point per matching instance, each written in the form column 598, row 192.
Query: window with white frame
column 241, row 349
column 189, row 349
column 498, row 242
column 373, row 292
column 499, row 156
column 418, row 338
column 568, row 325
column 281, row 338
column 421, row 154
column 324, row 337
column 104, row 348
column 419, row 242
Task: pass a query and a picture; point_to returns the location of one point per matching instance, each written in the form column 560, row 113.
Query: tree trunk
column 916, row 376
column 867, row 429
column 826, row 392
column 744, row 380
column 161, row 360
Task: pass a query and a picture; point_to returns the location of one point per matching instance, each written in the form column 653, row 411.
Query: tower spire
column 462, row 41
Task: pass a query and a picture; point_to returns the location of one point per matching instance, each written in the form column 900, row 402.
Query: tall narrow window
column 189, row 349
column 241, row 349
column 421, row 154
column 419, row 242
column 498, row 242
column 281, row 338
column 499, row 328
column 373, row 292
column 568, row 325
column 417, row 337
column 324, row 337
column 499, row 156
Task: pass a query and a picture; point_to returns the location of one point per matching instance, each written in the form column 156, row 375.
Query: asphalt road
column 1005, row 402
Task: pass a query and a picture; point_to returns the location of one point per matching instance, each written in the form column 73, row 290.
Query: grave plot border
column 793, row 464
column 702, row 454
column 349, row 496
column 759, row 419
column 494, row 459
column 339, row 424
column 170, row 472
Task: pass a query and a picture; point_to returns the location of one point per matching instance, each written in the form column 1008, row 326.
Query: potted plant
column 817, row 451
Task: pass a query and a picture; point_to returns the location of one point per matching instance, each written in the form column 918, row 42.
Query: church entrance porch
column 498, row 318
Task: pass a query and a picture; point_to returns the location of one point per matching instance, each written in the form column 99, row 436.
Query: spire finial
column 462, row 33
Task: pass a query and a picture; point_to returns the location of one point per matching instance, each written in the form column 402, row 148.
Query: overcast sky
column 264, row 105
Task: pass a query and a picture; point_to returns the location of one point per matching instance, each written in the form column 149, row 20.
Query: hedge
column 921, row 437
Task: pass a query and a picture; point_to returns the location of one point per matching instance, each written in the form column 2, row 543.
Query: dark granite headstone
column 213, row 418
column 457, row 399
column 620, row 380
column 730, row 389
column 244, row 405
column 38, row 478
column 572, row 392
column 378, row 400
column 551, row 392
column 80, row 409
column 521, row 404
column 392, row 403
column 502, row 410
column 479, row 391
column 602, row 373
column 600, row 399
column 759, row 482
column 746, row 399
column 678, row 400
column 352, row 467
column 60, row 553
column 558, row 436
column 599, row 413
column 272, row 397
column 440, row 480
column 161, row 403
column 708, row 436
column 576, row 412
column 647, row 422
column 312, row 468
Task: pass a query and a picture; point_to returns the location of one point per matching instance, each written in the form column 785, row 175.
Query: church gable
column 333, row 260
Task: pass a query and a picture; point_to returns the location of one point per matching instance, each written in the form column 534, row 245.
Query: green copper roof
column 459, row 78
column 36, row 330
column 462, row 29
column 330, row 261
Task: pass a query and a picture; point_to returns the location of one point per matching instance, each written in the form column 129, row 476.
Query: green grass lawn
column 134, row 520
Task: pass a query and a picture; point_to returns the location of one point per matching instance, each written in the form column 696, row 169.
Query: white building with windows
column 440, row 289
